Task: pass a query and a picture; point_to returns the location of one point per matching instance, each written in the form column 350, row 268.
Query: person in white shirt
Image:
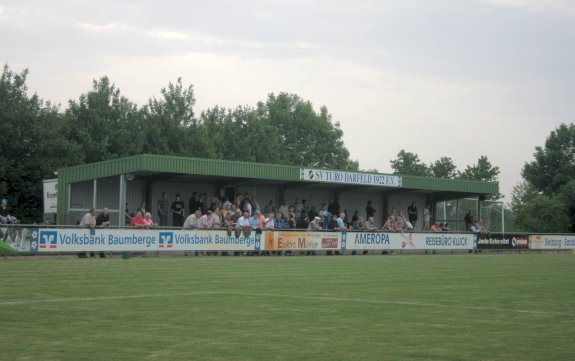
column 270, row 223
column 192, row 220
column 89, row 219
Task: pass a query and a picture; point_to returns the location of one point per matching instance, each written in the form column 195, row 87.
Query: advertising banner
column 50, row 190
column 499, row 241
column 115, row 240
column 309, row 241
column 401, row 240
column 552, row 242
column 334, row 176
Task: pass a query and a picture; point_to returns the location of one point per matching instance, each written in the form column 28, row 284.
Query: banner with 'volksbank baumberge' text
column 117, row 240
column 407, row 241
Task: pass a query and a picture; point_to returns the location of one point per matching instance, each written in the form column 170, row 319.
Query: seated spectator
column 205, row 221
column 399, row 223
column 148, row 221
column 138, row 221
column 332, row 225
column 6, row 216
column 254, row 221
column 217, row 218
column 261, row 220
column 315, row 225
column 192, row 222
column 355, row 217
column 89, row 219
column 243, row 225
column 370, row 225
column 280, row 221
column 358, row 225
column 389, row 224
column 270, row 223
column 445, row 228
column 290, row 220
column 341, row 226
column 303, row 221
column 103, row 219
column 477, row 227
column 435, row 227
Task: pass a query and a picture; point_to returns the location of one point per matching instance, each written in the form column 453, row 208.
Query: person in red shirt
column 138, row 221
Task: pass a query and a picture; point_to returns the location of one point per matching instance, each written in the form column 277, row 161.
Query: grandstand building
column 131, row 180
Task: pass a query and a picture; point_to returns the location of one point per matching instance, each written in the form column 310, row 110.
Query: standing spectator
column 127, row 215
column 412, row 213
column 284, row 208
column 143, row 208
column 194, row 202
column 89, row 219
column 216, row 202
column 369, row 210
column 206, row 202
column 333, row 207
column 178, row 212
column 255, row 205
column 468, row 220
column 298, row 207
column 312, row 212
column 426, row 218
column 226, row 203
column 303, row 221
column 269, row 207
column 217, row 218
column 162, row 207
column 355, row 217
column 332, row 225
column 325, row 216
column 103, row 219
column 247, row 206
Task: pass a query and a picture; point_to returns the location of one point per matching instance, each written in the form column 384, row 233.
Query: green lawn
column 426, row 307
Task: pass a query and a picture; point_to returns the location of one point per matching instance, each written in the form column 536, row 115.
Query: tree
column 33, row 145
column 554, row 165
column 483, row 171
column 306, row 137
column 408, row 163
column 443, row 168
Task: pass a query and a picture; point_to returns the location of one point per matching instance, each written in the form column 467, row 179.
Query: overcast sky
column 459, row 78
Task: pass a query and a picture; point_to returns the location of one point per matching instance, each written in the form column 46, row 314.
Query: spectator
column 6, row 216
column 206, row 202
column 312, row 213
column 435, row 227
column 216, row 202
column 243, row 225
column 192, row 222
column 369, row 210
column 298, row 207
column 332, row 225
column 284, row 208
column 341, row 226
column 281, row 221
column 89, row 219
column 270, row 224
column 255, row 205
column 269, row 207
column 426, row 218
column 370, row 225
column 333, row 207
column 254, row 221
column 127, row 215
column 194, row 202
column 261, row 220
column 412, row 214
column 358, row 225
column 138, row 220
column 217, row 218
column 355, row 217
column 177, row 212
column 314, row 225
column 247, row 206
column 399, row 223
column 148, row 222
column 143, row 208
column 103, row 219
column 325, row 216
column 162, row 207
column 303, row 221
column 205, row 221
column 290, row 220
column 445, row 228
column 389, row 225
column 468, row 220
column 226, row 203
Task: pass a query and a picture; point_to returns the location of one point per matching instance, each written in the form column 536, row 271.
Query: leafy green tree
column 33, row 145
column 482, row 171
column 542, row 213
column 306, row 137
column 104, row 123
column 408, row 163
column 554, row 164
column 443, row 168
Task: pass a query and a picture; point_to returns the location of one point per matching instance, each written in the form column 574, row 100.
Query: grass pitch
column 434, row 307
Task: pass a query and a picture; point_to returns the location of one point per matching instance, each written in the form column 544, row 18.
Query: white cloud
column 563, row 6
column 104, row 28
column 167, row 34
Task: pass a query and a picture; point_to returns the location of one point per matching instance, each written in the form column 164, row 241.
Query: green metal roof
column 236, row 169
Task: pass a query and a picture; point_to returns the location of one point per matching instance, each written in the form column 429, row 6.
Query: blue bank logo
column 166, row 239
column 48, row 239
